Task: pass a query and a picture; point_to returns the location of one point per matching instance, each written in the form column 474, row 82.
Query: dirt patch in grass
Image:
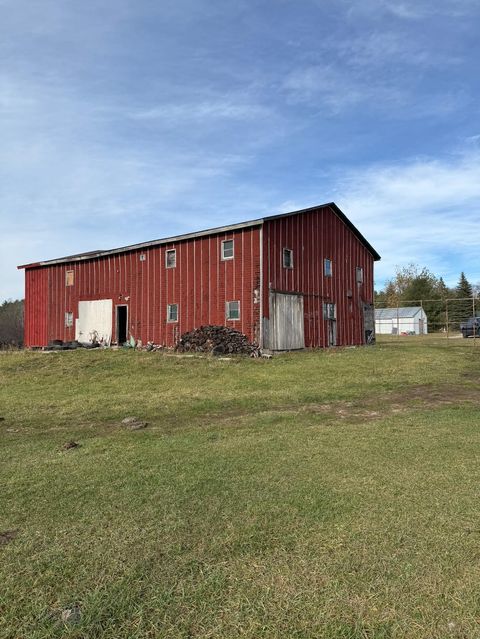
column 7, row 536
column 432, row 396
column 363, row 409
column 379, row 406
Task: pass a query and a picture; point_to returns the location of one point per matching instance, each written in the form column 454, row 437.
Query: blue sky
column 126, row 121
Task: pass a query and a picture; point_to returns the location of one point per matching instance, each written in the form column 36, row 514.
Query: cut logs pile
column 218, row 340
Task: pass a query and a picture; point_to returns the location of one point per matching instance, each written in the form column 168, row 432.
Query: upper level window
column 287, row 258
column 142, row 257
column 227, row 250
column 69, row 278
column 172, row 313
column 327, row 267
column 328, row 310
column 232, row 310
column 359, row 275
column 171, row 258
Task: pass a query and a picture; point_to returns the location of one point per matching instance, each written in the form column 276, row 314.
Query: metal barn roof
column 403, row 312
column 222, row 229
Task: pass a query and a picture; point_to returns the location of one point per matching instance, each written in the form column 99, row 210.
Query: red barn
column 301, row 279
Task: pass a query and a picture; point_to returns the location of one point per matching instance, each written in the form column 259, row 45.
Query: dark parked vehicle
column 471, row 328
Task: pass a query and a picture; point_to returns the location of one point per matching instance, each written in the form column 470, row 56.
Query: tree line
column 415, row 286
column 11, row 324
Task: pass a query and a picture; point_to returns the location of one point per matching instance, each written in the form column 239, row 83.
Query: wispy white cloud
column 361, row 80
column 331, row 87
column 336, row 90
column 405, row 10
column 207, row 111
column 474, row 139
column 386, row 47
column 415, row 9
column 425, row 211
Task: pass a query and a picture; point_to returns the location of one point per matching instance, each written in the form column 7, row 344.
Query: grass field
column 328, row 494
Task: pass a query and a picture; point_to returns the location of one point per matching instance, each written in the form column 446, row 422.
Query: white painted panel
column 287, row 322
column 94, row 322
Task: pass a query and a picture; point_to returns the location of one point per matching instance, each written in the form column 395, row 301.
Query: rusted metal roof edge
column 214, row 231
column 133, row 247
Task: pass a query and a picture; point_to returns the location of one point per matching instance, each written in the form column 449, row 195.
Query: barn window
column 327, row 267
column 172, row 313
column 359, row 275
column 69, row 276
column 233, row 310
column 328, row 311
column 287, row 258
column 171, row 258
column 227, row 250
column 142, row 257
column 69, row 319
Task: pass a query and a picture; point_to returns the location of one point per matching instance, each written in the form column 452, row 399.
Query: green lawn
column 330, row 494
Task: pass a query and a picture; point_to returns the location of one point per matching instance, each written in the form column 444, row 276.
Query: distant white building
column 408, row 320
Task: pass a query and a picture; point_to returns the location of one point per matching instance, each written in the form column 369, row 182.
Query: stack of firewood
column 219, row 340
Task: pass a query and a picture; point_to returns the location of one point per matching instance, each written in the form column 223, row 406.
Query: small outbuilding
column 407, row 320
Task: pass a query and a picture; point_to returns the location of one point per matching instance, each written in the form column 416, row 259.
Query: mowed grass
column 330, row 494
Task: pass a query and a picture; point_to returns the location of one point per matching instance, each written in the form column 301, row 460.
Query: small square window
column 233, row 310
column 359, row 275
column 171, row 258
column 287, row 258
column 143, row 257
column 327, row 267
column 172, row 313
column 328, row 310
column 68, row 319
column 227, row 250
column 69, row 278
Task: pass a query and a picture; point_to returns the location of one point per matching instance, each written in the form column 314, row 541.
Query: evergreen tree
column 442, row 289
column 464, row 288
column 464, row 294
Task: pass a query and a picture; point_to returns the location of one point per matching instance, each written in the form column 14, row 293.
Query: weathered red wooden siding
column 201, row 284
column 314, row 236
column 36, row 307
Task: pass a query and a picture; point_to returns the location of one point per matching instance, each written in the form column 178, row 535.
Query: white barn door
column 287, row 322
column 94, row 323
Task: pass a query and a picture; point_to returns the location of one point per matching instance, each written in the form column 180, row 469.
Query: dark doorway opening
column 122, row 312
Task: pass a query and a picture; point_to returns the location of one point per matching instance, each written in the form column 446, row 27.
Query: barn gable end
column 332, row 271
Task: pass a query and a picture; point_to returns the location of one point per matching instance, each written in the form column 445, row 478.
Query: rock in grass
column 71, row 615
column 133, row 423
column 137, row 425
column 70, row 444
